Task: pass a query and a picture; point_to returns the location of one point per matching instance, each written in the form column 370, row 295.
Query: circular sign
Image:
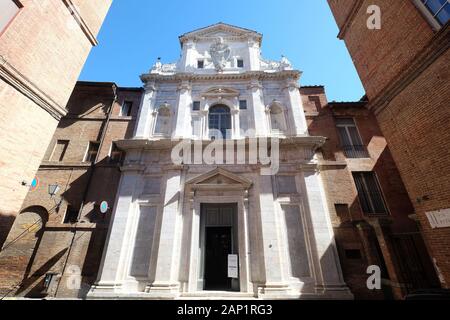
column 104, row 207
column 34, row 184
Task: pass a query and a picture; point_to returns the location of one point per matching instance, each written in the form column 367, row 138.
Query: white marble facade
column 281, row 231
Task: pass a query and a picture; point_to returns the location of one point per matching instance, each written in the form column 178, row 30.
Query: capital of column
column 291, row 84
column 185, row 86
column 255, row 84
column 150, row 87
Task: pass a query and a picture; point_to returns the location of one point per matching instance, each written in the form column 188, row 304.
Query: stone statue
column 220, row 54
column 285, row 64
column 157, row 66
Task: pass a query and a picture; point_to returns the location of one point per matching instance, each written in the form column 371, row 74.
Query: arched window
column 220, row 122
column 163, row 121
column 277, row 119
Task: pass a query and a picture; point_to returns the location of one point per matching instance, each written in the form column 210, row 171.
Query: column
column 244, row 245
column 297, row 121
column 184, row 102
column 236, row 124
column 167, row 264
column 143, row 128
column 329, row 278
column 194, row 245
column 275, row 285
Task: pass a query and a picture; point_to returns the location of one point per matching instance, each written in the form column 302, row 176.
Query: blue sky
column 136, row 32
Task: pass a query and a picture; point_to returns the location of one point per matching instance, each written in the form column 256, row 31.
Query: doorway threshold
column 217, row 295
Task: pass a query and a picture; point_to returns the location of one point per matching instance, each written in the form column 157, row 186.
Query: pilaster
column 143, row 128
column 166, row 283
column 298, row 123
column 184, row 102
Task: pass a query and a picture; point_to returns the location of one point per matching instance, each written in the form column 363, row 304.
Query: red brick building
column 43, row 47
column 370, row 209
column 64, row 234
column 404, row 64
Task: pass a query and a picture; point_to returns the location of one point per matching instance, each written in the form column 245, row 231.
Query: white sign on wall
column 233, row 270
column 439, row 218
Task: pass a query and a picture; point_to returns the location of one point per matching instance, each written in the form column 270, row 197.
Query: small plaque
column 233, row 269
column 439, row 218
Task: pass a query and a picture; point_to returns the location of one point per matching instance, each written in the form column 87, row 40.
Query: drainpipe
column 102, row 141
column 91, row 174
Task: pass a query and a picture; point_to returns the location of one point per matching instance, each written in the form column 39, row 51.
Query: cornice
column 251, row 75
column 350, row 18
column 80, row 21
column 437, row 46
column 12, row 76
column 312, row 142
column 235, row 33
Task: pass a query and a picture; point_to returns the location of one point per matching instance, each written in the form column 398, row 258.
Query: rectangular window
column 91, row 154
column 60, row 150
column 71, row 215
column 243, row 104
column 369, row 193
column 8, row 9
column 116, row 155
column 196, row 106
column 439, row 9
column 353, row 254
column 316, row 101
column 240, row 63
column 125, row 111
column 351, row 141
column 342, row 210
column 200, row 64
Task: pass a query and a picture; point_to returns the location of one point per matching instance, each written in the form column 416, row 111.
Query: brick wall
column 341, row 191
column 64, row 248
column 406, row 64
column 46, row 49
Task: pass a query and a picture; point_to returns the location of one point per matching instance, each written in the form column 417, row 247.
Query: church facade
column 221, row 193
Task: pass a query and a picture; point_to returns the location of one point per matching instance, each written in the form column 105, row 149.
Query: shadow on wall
column 6, row 223
column 19, row 248
column 31, row 255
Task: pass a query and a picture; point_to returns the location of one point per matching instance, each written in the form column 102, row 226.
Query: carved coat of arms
column 220, row 54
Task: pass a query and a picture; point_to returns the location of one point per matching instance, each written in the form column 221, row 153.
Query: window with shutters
column 92, row 151
column 369, row 193
column 351, row 141
column 125, row 110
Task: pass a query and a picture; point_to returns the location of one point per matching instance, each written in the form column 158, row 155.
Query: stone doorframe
column 209, row 189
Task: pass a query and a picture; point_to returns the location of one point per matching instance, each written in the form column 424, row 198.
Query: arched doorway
column 219, row 122
column 19, row 247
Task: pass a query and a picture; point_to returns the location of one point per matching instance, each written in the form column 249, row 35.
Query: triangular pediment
column 220, row 29
column 221, row 92
column 219, row 178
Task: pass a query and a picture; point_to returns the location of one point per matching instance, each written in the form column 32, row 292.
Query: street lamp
column 53, row 190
